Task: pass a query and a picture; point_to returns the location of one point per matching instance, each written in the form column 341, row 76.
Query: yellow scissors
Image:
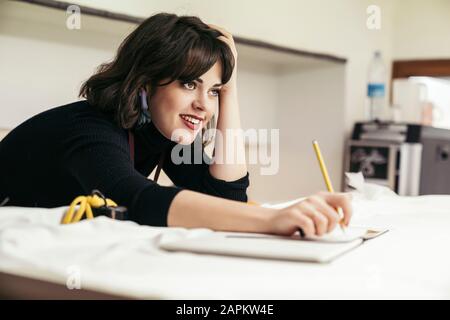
column 86, row 203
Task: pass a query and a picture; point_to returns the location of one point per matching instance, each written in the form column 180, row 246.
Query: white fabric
column 412, row 260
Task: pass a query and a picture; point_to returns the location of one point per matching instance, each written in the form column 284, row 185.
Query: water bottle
column 376, row 87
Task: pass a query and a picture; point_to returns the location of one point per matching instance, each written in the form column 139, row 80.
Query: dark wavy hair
column 164, row 46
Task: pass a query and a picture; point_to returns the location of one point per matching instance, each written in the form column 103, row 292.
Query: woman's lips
column 191, row 125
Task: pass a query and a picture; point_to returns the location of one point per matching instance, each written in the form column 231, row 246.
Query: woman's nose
column 202, row 104
column 198, row 105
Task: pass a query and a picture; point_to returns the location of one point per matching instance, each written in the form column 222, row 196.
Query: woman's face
column 180, row 110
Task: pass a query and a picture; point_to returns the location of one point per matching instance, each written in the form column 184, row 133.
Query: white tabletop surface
column 412, row 260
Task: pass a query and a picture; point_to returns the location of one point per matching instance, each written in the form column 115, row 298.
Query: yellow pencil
column 324, row 170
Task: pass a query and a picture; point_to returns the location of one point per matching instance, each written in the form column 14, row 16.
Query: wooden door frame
column 425, row 68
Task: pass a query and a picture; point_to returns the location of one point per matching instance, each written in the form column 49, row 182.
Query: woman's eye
column 189, row 85
column 192, row 85
column 215, row 92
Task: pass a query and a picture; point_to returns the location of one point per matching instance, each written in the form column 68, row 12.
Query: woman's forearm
column 226, row 167
column 191, row 209
column 229, row 148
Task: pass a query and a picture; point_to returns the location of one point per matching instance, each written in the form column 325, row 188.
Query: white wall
column 303, row 104
column 422, row 30
column 303, row 115
column 42, row 63
column 258, row 98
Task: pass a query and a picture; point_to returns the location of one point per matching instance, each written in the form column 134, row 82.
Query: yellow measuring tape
column 86, row 203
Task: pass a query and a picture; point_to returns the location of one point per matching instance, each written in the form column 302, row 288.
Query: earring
column 144, row 117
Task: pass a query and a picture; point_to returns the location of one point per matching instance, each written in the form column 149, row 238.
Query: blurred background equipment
column 410, row 159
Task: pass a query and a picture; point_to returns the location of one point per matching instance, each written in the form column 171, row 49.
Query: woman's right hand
column 316, row 215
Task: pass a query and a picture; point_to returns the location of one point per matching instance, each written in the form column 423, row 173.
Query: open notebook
column 310, row 249
column 336, row 236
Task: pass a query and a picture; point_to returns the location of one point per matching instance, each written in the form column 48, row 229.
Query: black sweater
column 70, row 150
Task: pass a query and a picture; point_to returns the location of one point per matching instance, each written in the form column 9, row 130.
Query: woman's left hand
column 228, row 39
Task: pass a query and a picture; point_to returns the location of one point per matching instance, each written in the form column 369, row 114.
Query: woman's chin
column 185, row 141
column 183, row 137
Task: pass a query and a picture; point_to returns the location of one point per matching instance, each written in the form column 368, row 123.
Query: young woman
column 169, row 78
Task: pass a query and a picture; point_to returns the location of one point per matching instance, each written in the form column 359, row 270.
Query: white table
column 412, row 260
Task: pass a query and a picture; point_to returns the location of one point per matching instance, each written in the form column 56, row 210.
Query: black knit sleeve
column 193, row 173
column 97, row 156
